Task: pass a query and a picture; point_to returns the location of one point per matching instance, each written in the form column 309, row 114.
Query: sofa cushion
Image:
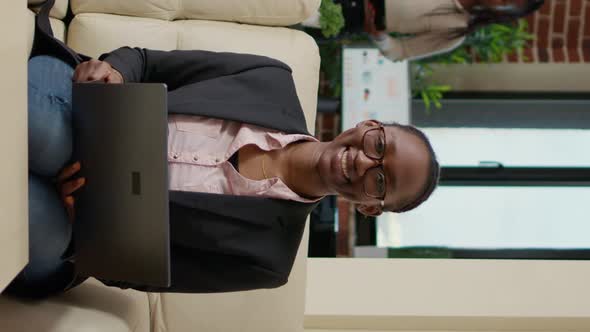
column 280, row 309
column 263, row 12
column 94, row 34
column 59, row 29
column 90, row 307
column 59, row 10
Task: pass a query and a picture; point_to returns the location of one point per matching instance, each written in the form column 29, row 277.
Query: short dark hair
column 433, row 169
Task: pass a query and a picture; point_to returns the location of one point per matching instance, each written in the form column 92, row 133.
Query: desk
column 13, row 140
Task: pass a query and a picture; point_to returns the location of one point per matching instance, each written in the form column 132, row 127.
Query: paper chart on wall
column 373, row 87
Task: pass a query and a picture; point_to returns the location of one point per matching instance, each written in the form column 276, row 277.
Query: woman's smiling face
column 350, row 166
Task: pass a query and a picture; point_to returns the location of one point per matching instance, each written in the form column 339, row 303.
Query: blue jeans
column 50, row 149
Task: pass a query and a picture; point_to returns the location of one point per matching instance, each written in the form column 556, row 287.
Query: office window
column 542, row 205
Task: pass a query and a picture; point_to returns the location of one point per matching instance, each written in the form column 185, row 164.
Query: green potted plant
column 487, row 45
column 331, row 19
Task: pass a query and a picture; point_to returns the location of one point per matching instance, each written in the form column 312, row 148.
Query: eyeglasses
column 374, row 147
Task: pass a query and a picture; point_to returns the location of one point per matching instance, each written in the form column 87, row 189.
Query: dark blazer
column 220, row 243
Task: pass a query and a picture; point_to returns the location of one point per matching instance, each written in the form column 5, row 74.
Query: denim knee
column 50, row 108
column 49, row 230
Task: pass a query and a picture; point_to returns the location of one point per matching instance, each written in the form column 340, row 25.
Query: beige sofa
column 249, row 26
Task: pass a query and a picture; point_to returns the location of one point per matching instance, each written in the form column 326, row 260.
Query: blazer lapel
column 263, row 96
column 263, row 231
column 261, row 210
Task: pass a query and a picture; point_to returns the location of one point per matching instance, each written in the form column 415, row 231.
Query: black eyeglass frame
column 379, row 160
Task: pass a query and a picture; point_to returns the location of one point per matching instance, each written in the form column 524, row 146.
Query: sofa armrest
column 13, row 143
column 260, row 12
column 280, row 309
column 90, row 307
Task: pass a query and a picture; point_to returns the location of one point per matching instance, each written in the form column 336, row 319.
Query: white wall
column 511, row 147
column 499, row 217
column 364, row 330
column 420, row 294
column 493, row 217
column 515, row 77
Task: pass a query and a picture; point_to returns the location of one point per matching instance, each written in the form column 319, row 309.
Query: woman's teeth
column 344, row 164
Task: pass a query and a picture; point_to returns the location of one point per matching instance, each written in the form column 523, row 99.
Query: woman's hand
column 97, row 71
column 67, row 186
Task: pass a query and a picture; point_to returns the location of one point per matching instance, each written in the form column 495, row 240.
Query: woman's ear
column 369, row 210
column 368, row 123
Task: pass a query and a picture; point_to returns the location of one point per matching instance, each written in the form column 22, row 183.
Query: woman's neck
column 296, row 165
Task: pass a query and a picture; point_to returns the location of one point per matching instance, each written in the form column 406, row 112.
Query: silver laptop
column 121, row 230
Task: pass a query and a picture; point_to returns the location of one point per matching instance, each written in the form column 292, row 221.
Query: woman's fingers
column 83, row 71
column 68, row 172
column 114, row 77
column 101, row 73
column 69, row 204
column 77, row 72
column 69, row 187
column 90, row 71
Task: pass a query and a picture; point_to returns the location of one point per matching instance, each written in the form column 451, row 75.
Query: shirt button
column 175, row 156
column 217, row 160
column 195, row 158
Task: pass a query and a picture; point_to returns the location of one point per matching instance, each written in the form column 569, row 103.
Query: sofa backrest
column 94, row 34
column 59, row 10
column 262, row 12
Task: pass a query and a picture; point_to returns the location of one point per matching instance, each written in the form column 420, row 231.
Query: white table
column 13, row 140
